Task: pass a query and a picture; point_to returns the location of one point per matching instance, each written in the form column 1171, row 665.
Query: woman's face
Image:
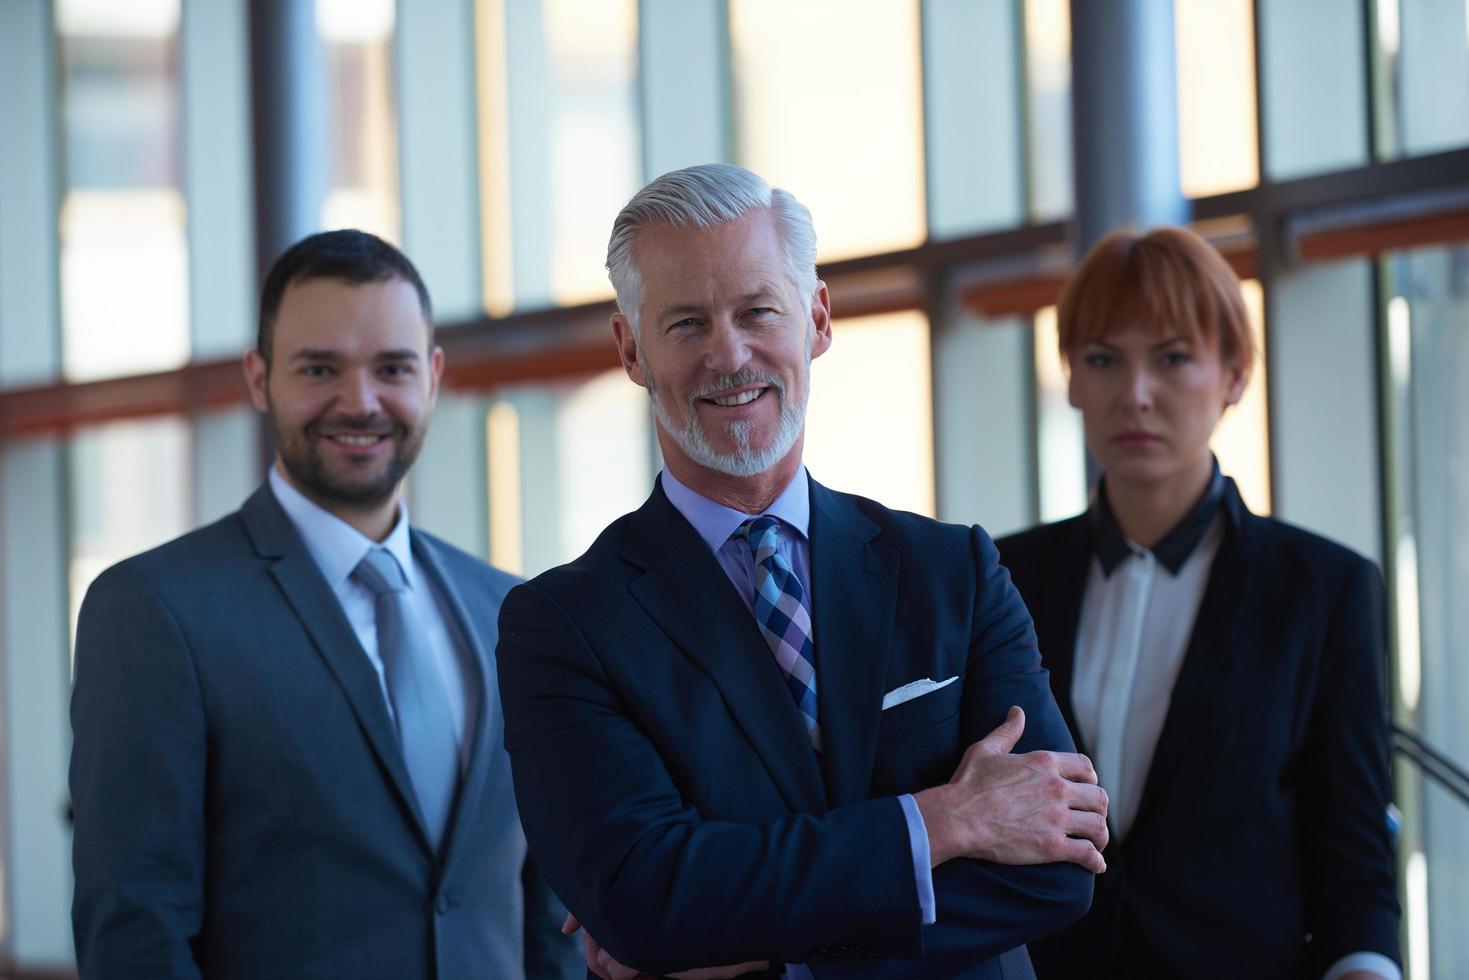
column 1149, row 401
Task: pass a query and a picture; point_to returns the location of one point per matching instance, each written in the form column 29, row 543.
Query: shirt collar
column 716, row 522
column 1173, row 550
column 337, row 546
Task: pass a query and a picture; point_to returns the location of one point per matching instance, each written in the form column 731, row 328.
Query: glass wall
column 869, row 423
column 559, row 144
column 363, row 185
column 1427, row 357
column 565, row 460
column 130, row 491
column 1423, row 76
column 1048, row 107
column 1215, row 46
column 124, row 253
column 837, row 123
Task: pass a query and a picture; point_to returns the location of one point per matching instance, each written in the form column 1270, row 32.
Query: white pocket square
column 913, row 689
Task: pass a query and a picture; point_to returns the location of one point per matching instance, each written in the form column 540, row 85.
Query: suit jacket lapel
column 319, row 611
column 686, row 592
column 472, row 782
column 854, row 598
column 1056, row 609
column 1208, row 649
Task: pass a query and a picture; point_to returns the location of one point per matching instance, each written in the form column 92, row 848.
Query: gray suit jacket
column 242, row 805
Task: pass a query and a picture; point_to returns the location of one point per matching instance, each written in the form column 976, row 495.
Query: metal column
column 1124, row 117
column 288, row 90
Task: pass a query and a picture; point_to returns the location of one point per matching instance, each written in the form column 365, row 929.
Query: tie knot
column 380, row 573
column 760, row 532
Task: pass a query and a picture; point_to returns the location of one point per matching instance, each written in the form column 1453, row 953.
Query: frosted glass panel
column 869, row 423
column 838, row 123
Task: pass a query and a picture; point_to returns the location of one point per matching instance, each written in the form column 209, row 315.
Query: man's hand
column 600, row 962
column 1034, row 808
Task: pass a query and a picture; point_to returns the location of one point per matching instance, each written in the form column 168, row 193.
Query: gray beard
column 745, row 460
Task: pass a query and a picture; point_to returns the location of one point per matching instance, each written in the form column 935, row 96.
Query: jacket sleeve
column 1351, row 890
column 661, row 888
column 137, row 786
column 549, row 955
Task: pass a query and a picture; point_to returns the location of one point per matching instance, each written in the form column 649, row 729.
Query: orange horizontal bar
column 1385, row 236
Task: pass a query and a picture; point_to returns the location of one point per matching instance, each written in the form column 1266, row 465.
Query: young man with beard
column 761, row 722
column 287, row 755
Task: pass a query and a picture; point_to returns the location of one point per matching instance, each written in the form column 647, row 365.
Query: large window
column 124, row 256
column 869, row 423
column 559, row 144
column 1427, row 357
column 1216, row 96
column 363, row 183
column 130, row 491
column 1423, row 77
column 837, row 122
column 565, row 460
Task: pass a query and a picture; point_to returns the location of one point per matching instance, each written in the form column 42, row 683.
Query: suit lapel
column 1057, row 613
column 1208, row 647
column 472, row 782
column 686, row 592
column 854, row 589
column 319, row 611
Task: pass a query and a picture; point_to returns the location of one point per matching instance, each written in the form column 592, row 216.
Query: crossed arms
column 667, row 887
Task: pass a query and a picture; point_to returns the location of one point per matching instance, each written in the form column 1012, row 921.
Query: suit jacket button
column 442, row 903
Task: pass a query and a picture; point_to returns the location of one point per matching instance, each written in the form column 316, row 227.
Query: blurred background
column 957, row 156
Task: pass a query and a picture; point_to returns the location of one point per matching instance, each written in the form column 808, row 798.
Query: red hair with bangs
column 1167, row 280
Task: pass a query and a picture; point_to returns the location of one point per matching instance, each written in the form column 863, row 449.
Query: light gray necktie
column 415, row 688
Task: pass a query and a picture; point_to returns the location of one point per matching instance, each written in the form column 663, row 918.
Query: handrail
column 1433, row 763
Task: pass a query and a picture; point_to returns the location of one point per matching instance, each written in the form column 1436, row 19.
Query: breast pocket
column 918, row 742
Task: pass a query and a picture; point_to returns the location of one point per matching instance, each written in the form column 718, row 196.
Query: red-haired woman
column 1224, row 671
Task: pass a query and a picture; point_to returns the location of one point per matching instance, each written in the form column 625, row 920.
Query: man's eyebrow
column 324, row 354
column 679, row 308
column 757, row 295
column 315, row 354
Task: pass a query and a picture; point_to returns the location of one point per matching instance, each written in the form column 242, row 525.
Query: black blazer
column 1260, row 847
column 667, row 783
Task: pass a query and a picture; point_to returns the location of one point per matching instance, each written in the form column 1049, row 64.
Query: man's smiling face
column 724, row 343
column 349, row 389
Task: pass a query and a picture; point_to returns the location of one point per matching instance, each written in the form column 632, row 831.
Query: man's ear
column 435, row 372
column 820, row 320
column 257, row 372
column 627, row 349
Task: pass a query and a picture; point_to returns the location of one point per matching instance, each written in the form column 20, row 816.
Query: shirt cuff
column 1375, row 962
column 922, row 873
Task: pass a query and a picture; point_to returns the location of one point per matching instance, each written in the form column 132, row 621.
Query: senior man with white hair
column 761, row 722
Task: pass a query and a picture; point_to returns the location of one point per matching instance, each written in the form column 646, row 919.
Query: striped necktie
column 420, row 700
column 784, row 617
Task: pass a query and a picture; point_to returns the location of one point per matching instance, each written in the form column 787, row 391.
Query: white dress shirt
column 1130, row 640
column 337, row 548
column 1137, row 617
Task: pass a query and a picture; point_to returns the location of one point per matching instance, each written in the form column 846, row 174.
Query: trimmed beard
column 301, row 454
column 744, row 461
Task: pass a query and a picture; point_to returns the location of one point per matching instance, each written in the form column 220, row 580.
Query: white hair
column 705, row 196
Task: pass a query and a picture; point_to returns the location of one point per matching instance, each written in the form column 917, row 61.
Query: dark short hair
column 1167, row 279
column 348, row 255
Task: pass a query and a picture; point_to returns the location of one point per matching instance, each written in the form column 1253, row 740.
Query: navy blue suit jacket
column 668, row 786
column 1260, row 846
column 242, row 804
